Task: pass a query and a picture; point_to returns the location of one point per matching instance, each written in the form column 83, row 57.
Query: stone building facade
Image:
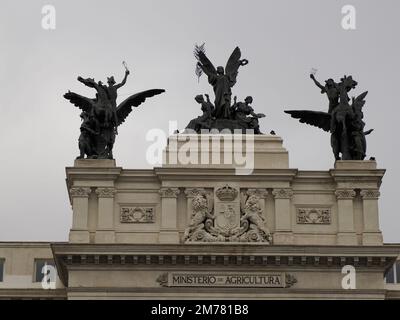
column 201, row 230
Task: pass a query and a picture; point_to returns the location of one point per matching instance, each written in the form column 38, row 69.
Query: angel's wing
column 205, row 64
column 359, row 101
column 125, row 107
column 233, row 64
column 81, row 102
column 315, row 118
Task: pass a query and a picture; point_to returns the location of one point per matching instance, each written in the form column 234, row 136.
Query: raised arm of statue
column 119, row 85
column 318, row 84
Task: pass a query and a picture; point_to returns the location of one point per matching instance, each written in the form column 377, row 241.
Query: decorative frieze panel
column 79, row 192
column 313, row 216
column 137, row 215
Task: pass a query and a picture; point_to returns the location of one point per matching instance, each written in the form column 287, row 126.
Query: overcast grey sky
column 282, row 40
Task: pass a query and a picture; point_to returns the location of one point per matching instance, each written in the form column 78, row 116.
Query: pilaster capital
column 345, row 194
column 192, row 192
column 262, row 193
column 105, row 192
column 169, row 192
column 284, row 193
column 80, row 192
column 370, row 194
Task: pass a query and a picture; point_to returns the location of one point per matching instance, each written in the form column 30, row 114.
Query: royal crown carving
column 226, row 193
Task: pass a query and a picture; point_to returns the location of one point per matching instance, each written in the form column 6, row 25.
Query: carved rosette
column 284, row 193
column 192, row 192
column 261, row 193
column 105, row 192
column 169, row 192
column 370, row 194
column 345, row 194
column 80, row 192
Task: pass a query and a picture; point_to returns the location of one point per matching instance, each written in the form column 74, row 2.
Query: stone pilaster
column 346, row 231
column 169, row 215
column 283, row 224
column 105, row 216
column 371, row 233
column 80, row 210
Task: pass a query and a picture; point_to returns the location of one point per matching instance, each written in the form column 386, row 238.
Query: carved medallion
column 137, row 215
column 313, row 216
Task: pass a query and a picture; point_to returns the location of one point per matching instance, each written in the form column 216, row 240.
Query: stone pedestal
column 241, row 152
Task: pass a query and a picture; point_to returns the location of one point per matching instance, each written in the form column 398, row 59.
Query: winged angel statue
column 343, row 120
column 223, row 115
column 101, row 116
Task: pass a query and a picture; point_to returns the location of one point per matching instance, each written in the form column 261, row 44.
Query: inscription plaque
column 204, row 279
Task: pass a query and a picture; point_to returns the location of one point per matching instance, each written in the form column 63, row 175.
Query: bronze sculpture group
column 223, row 115
column 344, row 119
column 101, row 115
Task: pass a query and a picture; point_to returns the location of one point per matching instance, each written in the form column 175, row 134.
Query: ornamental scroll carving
column 137, row 215
column 313, row 216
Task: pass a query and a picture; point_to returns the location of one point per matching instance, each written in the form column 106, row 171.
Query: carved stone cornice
column 80, row 192
column 284, row 193
column 262, row 193
column 169, row 192
column 105, row 192
column 345, row 194
column 192, row 192
column 370, row 194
